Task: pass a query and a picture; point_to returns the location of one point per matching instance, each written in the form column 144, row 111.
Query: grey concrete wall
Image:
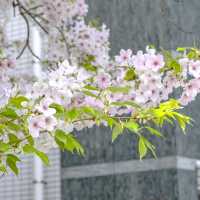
column 135, row 186
column 135, row 24
column 151, row 185
column 167, row 178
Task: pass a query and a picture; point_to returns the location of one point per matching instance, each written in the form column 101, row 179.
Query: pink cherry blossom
column 44, row 108
column 186, row 99
column 191, row 89
column 194, row 68
column 155, row 62
column 124, row 57
column 139, row 61
column 103, row 80
column 93, row 102
column 50, row 123
column 35, row 125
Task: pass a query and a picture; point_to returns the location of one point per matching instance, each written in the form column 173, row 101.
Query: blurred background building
column 112, row 171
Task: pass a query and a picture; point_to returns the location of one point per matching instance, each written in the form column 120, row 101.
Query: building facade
column 23, row 187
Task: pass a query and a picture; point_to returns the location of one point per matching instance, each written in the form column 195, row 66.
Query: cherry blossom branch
column 86, row 119
column 113, row 117
column 35, row 7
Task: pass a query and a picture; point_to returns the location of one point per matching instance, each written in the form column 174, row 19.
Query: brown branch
column 25, row 13
column 86, row 119
column 113, row 117
column 34, row 19
column 28, row 34
column 31, row 15
column 35, row 7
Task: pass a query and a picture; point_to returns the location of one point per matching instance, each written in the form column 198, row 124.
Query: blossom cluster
column 62, row 12
column 148, row 85
column 191, row 88
column 61, row 86
column 5, row 89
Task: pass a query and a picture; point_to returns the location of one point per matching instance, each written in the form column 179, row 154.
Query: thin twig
column 27, row 42
column 113, row 117
column 35, row 7
column 25, row 13
column 34, row 19
column 86, row 119
column 32, row 52
column 28, row 34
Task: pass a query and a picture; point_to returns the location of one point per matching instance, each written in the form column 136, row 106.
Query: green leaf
column 43, row 157
column 142, row 147
column 169, row 120
column 109, row 120
column 117, row 130
column 2, row 127
column 4, row 147
column 28, row 149
column 90, row 58
column 192, row 54
column 9, row 113
column 130, row 75
column 88, row 93
column 2, row 168
column 30, row 140
column 13, row 139
column 89, row 67
column 72, row 145
column 72, row 114
column 119, row 89
column 61, row 136
column 183, row 120
column 154, row 131
column 132, row 126
column 11, row 161
column 14, row 158
column 68, row 141
column 181, row 49
column 87, row 63
column 171, row 104
column 17, row 101
column 94, row 23
column 13, row 126
column 176, row 66
column 90, row 87
column 90, row 111
column 151, row 147
column 59, row 108
column 60, row 144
